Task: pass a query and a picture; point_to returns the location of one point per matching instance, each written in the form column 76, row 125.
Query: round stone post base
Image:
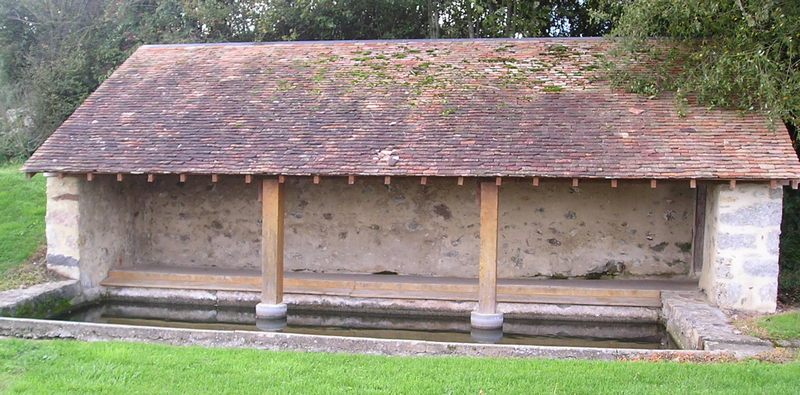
column 486, row 321
column 270, row 311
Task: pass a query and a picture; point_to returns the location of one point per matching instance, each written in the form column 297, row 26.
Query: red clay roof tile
column 530, row 107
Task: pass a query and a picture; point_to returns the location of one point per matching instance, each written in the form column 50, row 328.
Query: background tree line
column 740, row 54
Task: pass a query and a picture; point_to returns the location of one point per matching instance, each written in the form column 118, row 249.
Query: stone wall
column 408, row 228
column 92, row 226
column 549, row 230
column 557, row 229
column 111, row 226
column 62, row 219
column 741, row 246
column 200, row 223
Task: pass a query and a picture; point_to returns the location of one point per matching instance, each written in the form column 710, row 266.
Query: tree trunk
column 471, row 19
column 509, row 18
column 433, row 14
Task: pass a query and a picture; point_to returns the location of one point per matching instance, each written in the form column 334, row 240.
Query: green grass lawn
column 22, row 209
column 72, row 367
column 781, row 327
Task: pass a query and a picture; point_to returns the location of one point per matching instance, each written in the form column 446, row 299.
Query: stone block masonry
column 740, row 269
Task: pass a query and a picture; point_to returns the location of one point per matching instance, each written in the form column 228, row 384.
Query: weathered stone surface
column 773, row 242
column 696, row 325
column 727, row 241
column 49, row 293
column 396, row 306
column 61, row 260
column 41, row 329
column 761, row 214
column 403, row 227
column 111, row 226
column 741, row 248
column 761, row 267
column 62, row 220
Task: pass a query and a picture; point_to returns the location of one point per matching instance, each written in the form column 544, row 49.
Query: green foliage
column 62, row 366
column 742, row 54
column 789, row 275
column 22, row 210
column 782, row 326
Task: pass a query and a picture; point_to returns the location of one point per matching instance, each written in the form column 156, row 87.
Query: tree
column 741, row 54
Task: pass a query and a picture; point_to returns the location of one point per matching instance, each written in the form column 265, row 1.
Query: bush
column 789, row 278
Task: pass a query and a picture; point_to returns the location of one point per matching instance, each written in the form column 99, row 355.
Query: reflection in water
column 274, row 325
column 486, row 336
column 410, row 327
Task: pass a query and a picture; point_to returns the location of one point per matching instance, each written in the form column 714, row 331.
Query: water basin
column 385, row 326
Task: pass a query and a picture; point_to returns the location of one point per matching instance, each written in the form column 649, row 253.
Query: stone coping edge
column 42, row 299
column 49, row 329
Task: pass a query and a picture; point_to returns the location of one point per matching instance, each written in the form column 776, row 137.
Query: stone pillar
column 486, row 316
column 271, row 306
column 742, row 233
column 61, row 225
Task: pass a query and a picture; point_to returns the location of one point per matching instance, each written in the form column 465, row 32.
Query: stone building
column 307, row 169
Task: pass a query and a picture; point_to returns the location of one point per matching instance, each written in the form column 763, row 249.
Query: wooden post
column 271, row 305
column 487, row 279
column 699, row 229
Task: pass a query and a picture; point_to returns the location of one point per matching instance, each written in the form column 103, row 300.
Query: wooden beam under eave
column 151, row 177
column 693, row 184
column 214, row 178
column 281, row 179
column 460, row 180
column 795, row 184
column 613, row 183
column 60, row 176
column 773, row 184
column 248, row 178
column 89, row 176
column 119, row 176
column 574, row 182
column 351, row 180
column 732, row 184
column 316, row 179
column 29, row 175
column 387, row 180
column 498, row 181
column 536, row 181
column 423, row 180
column 182, row 177
column 487, row 277
column 272, row 241
column 653, row 184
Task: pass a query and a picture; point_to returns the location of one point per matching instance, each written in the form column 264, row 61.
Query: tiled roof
column 421, row 108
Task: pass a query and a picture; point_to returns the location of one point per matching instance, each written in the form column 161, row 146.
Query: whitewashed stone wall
column 740, row 268
column 62, row 230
